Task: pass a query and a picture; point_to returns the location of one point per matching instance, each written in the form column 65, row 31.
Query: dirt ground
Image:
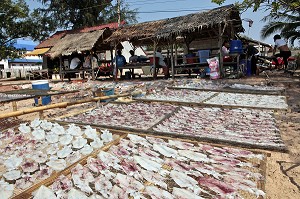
column 283, row 169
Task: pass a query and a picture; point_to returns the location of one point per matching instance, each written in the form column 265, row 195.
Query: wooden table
column 133, row 66
column 91, row 70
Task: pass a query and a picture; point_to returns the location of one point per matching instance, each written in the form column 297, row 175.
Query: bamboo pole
column 14, row 105
column 63, row 105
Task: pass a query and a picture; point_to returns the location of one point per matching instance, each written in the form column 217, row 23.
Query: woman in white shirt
column 284, row 51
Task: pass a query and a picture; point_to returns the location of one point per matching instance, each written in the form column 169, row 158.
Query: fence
column 16, row 72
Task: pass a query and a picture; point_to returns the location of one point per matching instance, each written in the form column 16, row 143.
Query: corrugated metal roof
column 25, row 60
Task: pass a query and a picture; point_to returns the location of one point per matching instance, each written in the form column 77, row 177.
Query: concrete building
column 18, row 67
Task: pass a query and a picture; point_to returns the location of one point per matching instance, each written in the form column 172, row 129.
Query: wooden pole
column 119, row 12
column 220, row 49
column 172, row 60
column 60, row 68
column 154, row 60
column 64, row 105
column 176, row 53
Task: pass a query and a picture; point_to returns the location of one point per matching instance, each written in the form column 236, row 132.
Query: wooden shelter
column 80, row 42
column 220, row 23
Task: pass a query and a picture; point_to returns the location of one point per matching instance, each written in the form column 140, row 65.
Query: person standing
column 120, row 62
column 162, row 63
column 252, row 54
column 284, row 51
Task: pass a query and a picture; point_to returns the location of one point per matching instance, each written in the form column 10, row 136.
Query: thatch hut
column 80, row 42
column 219, row 23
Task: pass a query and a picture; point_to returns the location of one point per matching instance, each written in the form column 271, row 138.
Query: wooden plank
column 231, row 90
column 71, row 114
column 200, row 104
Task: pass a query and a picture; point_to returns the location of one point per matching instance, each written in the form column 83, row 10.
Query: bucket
column 236, row 46
column 104, row 92
column 41, row 85
column 203, row 56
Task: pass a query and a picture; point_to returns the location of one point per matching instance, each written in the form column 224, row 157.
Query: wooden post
column 41, row 115
column 60, row 68
column 220, row 49
column 115, row 64
column 40, row 102
column 172, row 60
column 14, row 105
column 176, row 53
column 154, row 60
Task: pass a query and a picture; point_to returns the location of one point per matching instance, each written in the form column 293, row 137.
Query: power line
column 166, row 11
column 155, row 2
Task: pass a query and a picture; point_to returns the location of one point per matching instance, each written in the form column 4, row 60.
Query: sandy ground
column 283, row 169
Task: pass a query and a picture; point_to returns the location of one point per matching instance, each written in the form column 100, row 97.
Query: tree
column 284, row 16
column 272, row 5
column 15, row 22
column 81, row 13
column 288, row 24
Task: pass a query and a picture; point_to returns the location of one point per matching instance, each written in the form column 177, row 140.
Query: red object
column 156, row 60
column 191, row 60
column 291, row 59
column 280, row 61
column 227, row 59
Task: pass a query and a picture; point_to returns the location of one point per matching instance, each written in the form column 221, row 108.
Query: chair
column 29, row 75
column 147, row 70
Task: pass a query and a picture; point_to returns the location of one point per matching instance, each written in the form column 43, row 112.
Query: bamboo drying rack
column 63, row 105
column 150, row 131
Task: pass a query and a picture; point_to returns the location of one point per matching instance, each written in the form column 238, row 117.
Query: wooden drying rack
column 123, row 134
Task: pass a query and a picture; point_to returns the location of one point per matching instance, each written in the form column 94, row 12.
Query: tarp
column 39, row 51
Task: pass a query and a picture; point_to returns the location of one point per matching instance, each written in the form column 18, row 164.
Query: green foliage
column 15, row 23
column 287, row 23
column 284, row 16
column 73, row 14
column 271, row 5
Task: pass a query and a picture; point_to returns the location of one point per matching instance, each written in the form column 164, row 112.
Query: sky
column 150, row 10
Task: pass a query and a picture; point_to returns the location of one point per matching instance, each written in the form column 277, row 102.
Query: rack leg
column 14, row 105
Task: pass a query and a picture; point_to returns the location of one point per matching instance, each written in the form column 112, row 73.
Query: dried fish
column 44, row 193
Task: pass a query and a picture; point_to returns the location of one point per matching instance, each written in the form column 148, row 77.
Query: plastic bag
column 213, row 65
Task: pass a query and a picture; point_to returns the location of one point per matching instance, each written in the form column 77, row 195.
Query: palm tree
column 287, row 23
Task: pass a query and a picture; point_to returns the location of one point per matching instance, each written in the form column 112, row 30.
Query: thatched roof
column 51, row 41
column 55, row 38
column 197, row 22
column 77, row 42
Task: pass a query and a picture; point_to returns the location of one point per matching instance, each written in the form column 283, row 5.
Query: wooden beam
column 220, row 49
column 154, row 60
column 63, row 105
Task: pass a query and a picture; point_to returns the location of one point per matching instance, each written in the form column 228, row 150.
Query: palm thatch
column 77, row 42
column 227, row 16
